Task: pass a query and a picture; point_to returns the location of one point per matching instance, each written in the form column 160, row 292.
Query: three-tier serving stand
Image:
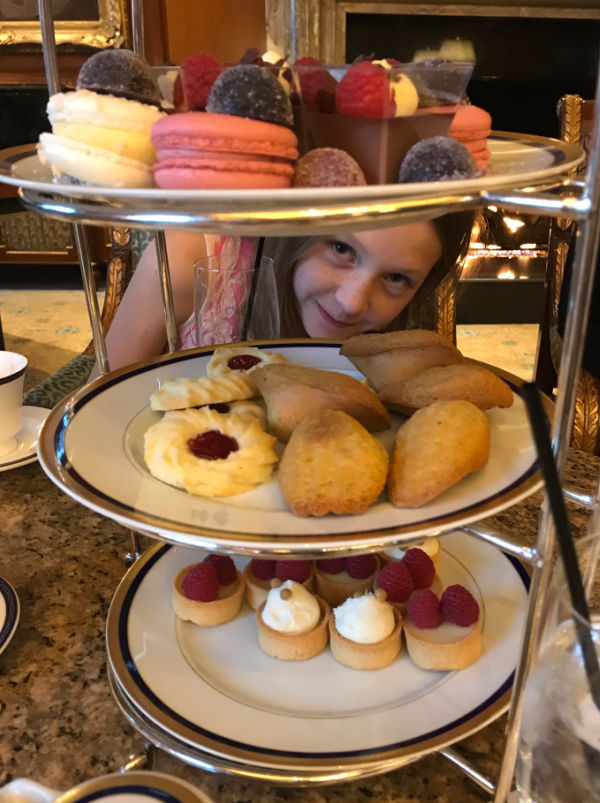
column 557, row 195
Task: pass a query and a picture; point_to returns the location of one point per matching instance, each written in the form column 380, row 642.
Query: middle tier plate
column 91, row 446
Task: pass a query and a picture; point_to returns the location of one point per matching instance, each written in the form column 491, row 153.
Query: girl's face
column 354, row 283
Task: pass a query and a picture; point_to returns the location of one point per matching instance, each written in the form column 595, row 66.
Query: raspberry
column 365, row 92
column 458, row 606
column 331, row 565
column 316, row 85
column 361, row 566
column 201, row 583
column 424, row 608
column 263, row 569
column 225, row 568
column 421, row 567
column 298, row 570
column 198, row 74
column 397, row 581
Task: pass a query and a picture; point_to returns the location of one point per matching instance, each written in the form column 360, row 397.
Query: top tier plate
column 518, row 162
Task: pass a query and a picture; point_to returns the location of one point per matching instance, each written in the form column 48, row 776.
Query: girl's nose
column 353, row 296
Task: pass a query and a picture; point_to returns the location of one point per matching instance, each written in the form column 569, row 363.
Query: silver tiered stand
column 561, row 197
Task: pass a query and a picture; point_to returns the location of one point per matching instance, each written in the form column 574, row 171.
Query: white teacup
column 12, row 376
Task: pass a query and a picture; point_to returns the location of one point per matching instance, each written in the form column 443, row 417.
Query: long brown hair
column 454, row 230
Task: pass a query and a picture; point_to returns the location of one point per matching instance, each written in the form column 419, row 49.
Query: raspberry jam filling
column 220, row 407
column 243, row 362
column 212, row 445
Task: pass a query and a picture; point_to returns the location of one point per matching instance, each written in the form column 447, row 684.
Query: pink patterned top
column 219, row 318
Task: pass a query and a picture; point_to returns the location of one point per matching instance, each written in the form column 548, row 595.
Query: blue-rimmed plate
column 92, row 447
column 9, row 613
column 215, row 690
column 135, row 787
column 26, row 439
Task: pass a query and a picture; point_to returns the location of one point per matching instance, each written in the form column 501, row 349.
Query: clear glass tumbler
column 559, row 743
column 235, row 299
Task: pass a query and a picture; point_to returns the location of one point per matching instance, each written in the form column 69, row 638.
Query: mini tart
column 224, row 357
column 257, row 589
column 431, row 547
column 291, row 647
column 336, row 588
column 445, row 647
column 208, row 614
column 366, row 656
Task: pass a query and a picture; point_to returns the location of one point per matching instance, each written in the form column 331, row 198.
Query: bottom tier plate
column 213, row 690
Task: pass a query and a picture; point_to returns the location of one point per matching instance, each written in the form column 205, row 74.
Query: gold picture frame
column 95, row 23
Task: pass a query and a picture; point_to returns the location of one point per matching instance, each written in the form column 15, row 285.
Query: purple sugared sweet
column 247, row 90
column 437, row 159
column 121, row 73
column 328, row 167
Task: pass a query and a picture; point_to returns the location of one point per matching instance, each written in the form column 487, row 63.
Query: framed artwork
column 95, row 23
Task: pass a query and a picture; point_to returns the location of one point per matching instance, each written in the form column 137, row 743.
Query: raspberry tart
column 208, row 593
column 443, row 634
column 259, row 573
column 336, row 579
column 292, row 623
column 365, row 632
column 401, row 578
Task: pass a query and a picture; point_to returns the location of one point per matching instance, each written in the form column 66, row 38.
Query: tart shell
column 291, row 647
column 366, row 656
column 215, row 612
column 443, row 656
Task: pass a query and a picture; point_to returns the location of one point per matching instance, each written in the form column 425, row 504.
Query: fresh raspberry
column 458, row 606
column 263, row 569
column 298, row 570
column 225, row 568
column 365, row 91
column 198, row 74
column 424, row 608
column 421, row 567
column 317, row 86
column 331, row 565
column 361, row 566
column 397, row 581
column 201, row 583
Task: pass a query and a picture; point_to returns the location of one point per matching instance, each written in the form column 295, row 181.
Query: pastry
column 436, row 448
column 291, row 392
column 240, row 361
column 209, row 454
column 101, row 131
column 385, row 358
column 472, row 126
column 292, row 623
column 259, row 572
column 466, row 382
column 443, row 634
column 331, row 465
column 431, row 547
column 336, row 579
column 400, row 578
column 245, row 409
column 208, row 593
column 437, row 159
column 183, row 392
column 365, row 632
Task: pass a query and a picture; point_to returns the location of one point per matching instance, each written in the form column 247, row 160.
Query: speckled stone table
column 59, row 723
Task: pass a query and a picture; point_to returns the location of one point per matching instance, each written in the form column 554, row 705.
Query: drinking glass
column 12, row 375
column 235, row 298
column 559, row 743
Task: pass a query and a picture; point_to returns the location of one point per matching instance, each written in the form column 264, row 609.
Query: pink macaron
column 471, row 126
column 202, row 150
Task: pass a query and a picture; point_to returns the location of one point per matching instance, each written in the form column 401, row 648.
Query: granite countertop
column 60, row 724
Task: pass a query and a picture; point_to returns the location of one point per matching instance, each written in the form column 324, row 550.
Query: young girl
column 329, row 286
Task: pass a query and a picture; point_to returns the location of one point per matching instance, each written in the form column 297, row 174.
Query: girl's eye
column 342, row 249
column 397, row 279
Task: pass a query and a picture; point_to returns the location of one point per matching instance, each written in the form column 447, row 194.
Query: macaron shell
column 222, row 173
column 470, row 122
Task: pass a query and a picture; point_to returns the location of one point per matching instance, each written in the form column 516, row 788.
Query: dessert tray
column 91, row 446
column 517, row 161
column 212, row 695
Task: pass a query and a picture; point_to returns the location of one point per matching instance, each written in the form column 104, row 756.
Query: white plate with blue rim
column 9, row 613
column 26, row 439
column 135, row 787
column 214, row 690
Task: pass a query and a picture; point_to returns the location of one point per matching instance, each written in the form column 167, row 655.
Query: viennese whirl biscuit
column 183, row 392
column 240, row 360
column 389, row 357
column 436, row 448
column 464, row 382
column 208, row 453
column 292, row 391
column 331, row 465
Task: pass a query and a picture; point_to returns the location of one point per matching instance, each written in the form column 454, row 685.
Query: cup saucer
column 25, row 449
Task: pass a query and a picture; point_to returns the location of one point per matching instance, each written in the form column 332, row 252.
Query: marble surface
column 59, row 722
